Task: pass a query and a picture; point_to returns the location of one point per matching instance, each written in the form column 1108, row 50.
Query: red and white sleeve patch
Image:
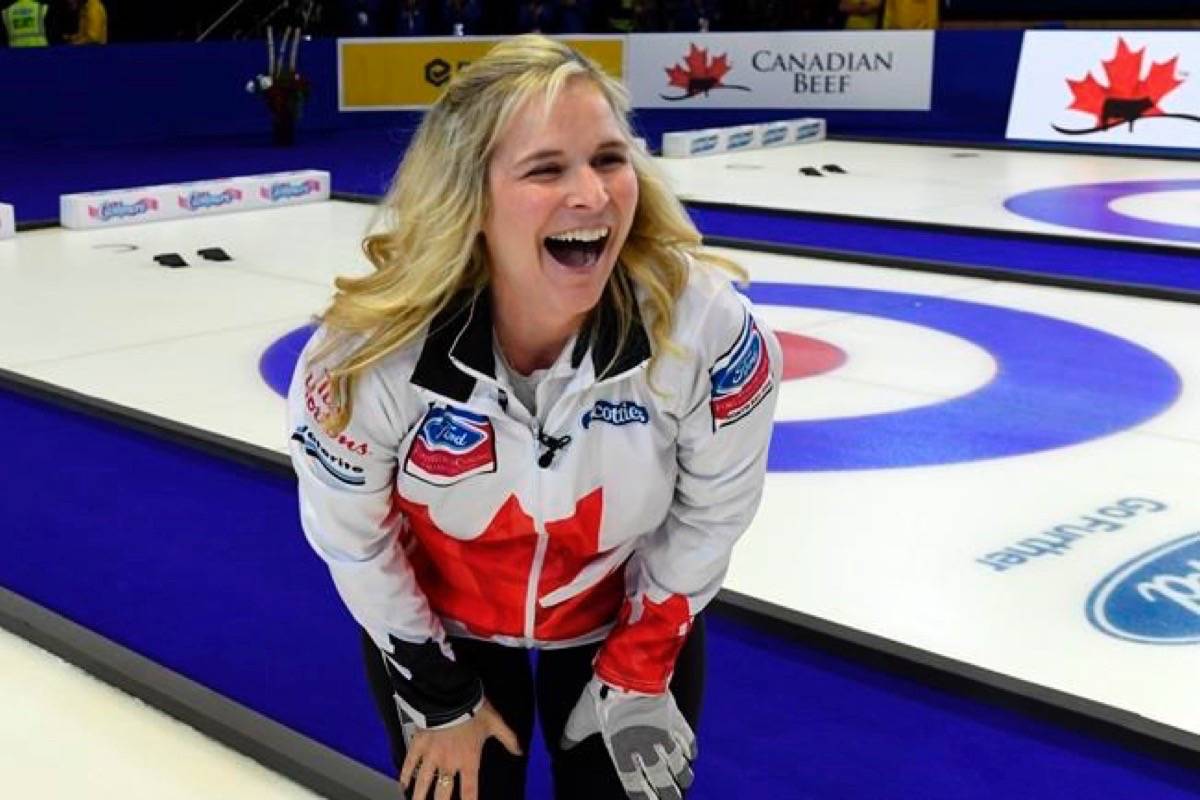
column 741, row 378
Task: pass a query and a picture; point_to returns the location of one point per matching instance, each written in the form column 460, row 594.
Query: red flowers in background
column 283, row 88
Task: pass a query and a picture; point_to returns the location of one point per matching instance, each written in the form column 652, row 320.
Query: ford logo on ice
column 1155, row 598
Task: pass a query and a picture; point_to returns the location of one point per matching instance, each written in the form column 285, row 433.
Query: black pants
column 583, row 773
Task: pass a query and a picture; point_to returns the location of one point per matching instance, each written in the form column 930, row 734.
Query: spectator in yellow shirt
column 911, row 14
column 93, row 22
column 889, row 14
column 860, row 15
column 24, row 24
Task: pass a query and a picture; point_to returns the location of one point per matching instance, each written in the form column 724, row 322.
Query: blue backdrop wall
column 160, row 92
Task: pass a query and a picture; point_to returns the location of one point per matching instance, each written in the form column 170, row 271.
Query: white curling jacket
column 445, row 507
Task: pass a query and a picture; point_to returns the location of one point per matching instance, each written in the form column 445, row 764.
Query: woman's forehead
column 580, row 110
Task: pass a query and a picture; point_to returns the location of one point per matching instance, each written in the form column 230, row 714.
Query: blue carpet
column 199, row 564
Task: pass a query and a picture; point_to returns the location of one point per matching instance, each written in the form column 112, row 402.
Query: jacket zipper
column 543, row 544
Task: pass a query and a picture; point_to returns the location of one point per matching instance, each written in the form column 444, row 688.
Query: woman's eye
column 544, row 170
column 610, row 159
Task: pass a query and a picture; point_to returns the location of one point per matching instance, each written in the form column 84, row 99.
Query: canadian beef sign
column 1101, row 87
column 847, row 70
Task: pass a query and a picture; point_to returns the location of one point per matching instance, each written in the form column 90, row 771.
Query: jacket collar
column 461, row 334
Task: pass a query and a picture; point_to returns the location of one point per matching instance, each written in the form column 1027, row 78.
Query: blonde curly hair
column 430, row 249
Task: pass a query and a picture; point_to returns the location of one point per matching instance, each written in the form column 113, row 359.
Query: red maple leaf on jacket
column 482, row 582
column 1127, row 96
column 700, row 74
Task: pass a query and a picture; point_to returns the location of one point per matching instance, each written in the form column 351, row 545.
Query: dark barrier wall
column 1069, row 10
column 157, row 92
column 152, row 92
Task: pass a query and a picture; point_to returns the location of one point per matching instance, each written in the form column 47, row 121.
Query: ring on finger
column 445, row 779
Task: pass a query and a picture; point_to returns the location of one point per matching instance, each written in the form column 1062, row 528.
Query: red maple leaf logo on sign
column 1128, row 97
column 699, row 74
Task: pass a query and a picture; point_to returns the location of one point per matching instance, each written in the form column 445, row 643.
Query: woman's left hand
column 651, row 744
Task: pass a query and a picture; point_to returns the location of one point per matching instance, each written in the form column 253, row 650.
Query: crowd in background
column 443, row 17
column 52, row 22
column 28, row 22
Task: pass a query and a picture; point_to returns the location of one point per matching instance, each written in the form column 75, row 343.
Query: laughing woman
column 541, row 423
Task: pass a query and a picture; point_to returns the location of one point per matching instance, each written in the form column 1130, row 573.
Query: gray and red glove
column 651, row 744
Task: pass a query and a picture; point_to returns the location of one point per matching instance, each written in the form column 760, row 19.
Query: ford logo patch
column 1155, row 598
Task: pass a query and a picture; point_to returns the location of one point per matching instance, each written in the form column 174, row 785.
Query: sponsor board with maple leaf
column 700, row 74
column 1128, row 97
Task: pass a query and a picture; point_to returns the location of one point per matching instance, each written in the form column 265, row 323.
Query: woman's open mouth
column 577, row 248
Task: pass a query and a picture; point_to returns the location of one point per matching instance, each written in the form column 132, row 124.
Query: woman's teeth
column 581, row 235
column 577, row 248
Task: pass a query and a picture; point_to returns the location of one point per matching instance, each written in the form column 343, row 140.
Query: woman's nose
column 587, row 190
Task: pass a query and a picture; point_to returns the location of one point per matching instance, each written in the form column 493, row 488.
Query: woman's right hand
column 454, row 751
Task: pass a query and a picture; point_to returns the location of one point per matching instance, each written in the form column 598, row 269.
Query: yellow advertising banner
column 390, row 74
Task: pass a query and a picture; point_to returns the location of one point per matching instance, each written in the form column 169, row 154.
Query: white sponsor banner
column 171, row 201
column 1108, row 87
column 8, row 223
column 847, row 69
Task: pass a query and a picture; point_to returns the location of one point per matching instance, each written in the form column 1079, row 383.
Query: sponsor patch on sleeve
column 741, row 378
column 338, row 457
column 452, row 445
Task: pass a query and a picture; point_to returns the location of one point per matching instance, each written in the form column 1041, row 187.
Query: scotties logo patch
column 625, row 412
column 452, row 445
column 741, row 378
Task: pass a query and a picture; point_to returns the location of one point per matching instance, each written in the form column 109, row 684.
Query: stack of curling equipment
column 200, row 198
column 711, row 141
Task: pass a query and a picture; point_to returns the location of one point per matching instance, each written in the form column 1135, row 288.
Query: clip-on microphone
column 552, row 444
